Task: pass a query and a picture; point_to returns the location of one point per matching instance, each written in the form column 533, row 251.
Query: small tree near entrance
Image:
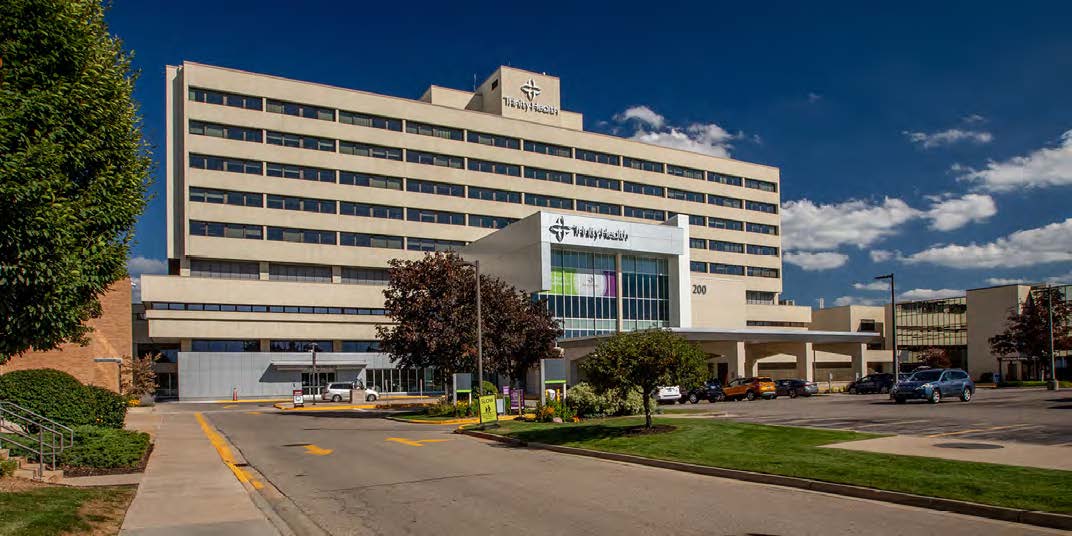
column 1027, row 332
column 935, row 357
column 643, row 361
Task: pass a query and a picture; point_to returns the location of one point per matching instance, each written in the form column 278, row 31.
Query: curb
column 282, row 406
column 472, row 420
column 1028, row 517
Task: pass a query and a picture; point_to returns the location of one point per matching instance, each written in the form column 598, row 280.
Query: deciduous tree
column 73, row 169
column 935, row 357
column 1027, row 332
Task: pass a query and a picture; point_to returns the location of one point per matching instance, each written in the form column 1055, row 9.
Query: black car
column 872, row 383
column 710, row 391
column 795, row 388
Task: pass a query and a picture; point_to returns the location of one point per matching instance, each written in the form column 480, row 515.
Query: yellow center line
column 317, row 451
column 975, row 430
column 254, row 413
column 414, row 443
column 225, row 452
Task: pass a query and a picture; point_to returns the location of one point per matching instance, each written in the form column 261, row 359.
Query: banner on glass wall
column 569, row 282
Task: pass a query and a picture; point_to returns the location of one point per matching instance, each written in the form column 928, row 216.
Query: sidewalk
column 1001, row 452
column 187, row 489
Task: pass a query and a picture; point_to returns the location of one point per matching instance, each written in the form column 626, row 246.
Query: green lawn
column 793, row 452
column 51, row 510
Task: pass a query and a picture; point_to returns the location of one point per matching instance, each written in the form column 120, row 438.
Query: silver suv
column 339, row 391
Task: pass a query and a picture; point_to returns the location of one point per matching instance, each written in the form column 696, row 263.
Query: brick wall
column 111, row 337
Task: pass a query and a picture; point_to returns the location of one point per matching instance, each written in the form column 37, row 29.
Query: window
column 288, row 171
column 322, row 206
column 599, row 208
column 727, row 269
column 370, row 211
column 437, row 131
column 242, row 199
column 301, row 110
column 494, row 140
column 226, row 99
column 593, row 156
column 722, row 223
column 489, row 222
column 723, row 179
column 363, row 240
column 645, row 213
column 225, row 131
column 300, row 141
column 218, row 163
column 432, row 159
column 762, row 228
column 548, row 175
column 365, row 276
column 761, row 185
column 599, row 182
column 437, row 188
column 304, row 236
column 769, row 208
column 372, row 121
column 304, row 347
column 644, row 165
column 756, row 271
column 762, row 250
column 489, row 194
column 547, row 148
column 695, row 197
column 728, row 247
column 435, row 216
column 697, row 220
column 688, row 173
column 646, row 189
column 360, row 346
column 759, row 297
column 209, row 345
column 549, row 201
column 698, row 266
column 723, row 201
column 371, row 181
column 698, row 243
column 494, row 167
column 226, row 230
column 299, row 272
column 225, row 269
column 371, row 151
column 432, row 244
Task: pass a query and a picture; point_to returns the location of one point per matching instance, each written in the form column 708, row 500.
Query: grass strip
column 51, row 510
column 790, row 451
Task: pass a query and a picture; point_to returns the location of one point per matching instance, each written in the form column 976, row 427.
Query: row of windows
column 316, row 236
column 452, row 133
column 217, row 269
column 732, row 247
column 238, row 308
column 731, row 269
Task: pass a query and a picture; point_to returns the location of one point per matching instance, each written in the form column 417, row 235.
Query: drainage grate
column 969, row 446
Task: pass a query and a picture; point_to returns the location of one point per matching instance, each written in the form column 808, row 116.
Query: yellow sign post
column 487, row 410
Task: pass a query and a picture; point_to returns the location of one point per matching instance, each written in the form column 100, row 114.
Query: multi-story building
column 287, row 199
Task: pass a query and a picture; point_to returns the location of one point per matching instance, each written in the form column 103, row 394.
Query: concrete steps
column 29, row 470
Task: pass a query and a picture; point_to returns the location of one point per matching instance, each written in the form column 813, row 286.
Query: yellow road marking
column 254, row 412
column 415, row 443
column 225, row 452
column 229, row 406
column 974, row 430
column 317, row 451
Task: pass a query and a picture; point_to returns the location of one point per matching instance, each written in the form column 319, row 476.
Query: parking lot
column 1032, row 416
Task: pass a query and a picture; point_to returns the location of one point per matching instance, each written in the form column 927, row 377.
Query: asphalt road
column 353, row 473
column 1033, row 416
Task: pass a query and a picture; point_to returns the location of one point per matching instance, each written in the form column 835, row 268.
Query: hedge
column 94, row 446
column 62, row 398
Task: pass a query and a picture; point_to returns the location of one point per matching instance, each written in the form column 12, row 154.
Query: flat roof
column 755, row 336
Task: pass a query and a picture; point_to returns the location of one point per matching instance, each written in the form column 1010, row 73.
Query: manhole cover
column 969, row 446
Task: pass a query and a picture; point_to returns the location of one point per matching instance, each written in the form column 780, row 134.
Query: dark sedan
column 872, row 383
column 795, row 388
column 710, row 391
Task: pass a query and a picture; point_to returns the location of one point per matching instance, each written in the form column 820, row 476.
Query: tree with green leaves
column 1027, row 331
column 935, row 357
column 643, row 361
column 73, row 169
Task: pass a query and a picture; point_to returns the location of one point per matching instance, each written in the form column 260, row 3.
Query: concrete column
column 859, row 364
column 264, row 270
column 618, row 288
column 805, row 355
column 266, row 345
column 336, row 345
column 184, row 345
column 336, row 274
column 736, row 358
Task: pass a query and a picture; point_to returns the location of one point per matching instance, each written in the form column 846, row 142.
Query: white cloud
column 876, row 285
column 1055, row 279
column 1051, row 243
column 1041, row 168
column 947, row 214
column 999, row 281
column 973, row 118
column 856, row 300
column 947, row 137
column 642, row 114
column 816, row 262
column 814, row 97
column 136, row 267
column 810, row 226
column 881, row 255
column 930, row 294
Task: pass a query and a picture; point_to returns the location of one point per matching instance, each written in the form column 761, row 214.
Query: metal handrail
column 54, row 433
column 40, row 450
column 39, row 416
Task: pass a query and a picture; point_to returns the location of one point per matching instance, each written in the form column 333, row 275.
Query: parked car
column 794, row 388
column 339, row 391
column 872, row 383
column 933, row 385
column 710, row 391
column 750, row 388
column 667, row 395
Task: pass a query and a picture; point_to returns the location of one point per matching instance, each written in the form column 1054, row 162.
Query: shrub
column 102, row 448
column 107, row 408
column 54, row 394
column 554, row 408
column 446, row 409
column 487, row 389
column 7, row 467
column 585, row 402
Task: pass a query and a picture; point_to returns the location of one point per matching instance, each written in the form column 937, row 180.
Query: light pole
column 316, row 377
column 1054, row 384
column 893, row 326
column 119, row 367
column 479, row 329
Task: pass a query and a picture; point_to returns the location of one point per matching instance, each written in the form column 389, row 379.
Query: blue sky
column 928, row 140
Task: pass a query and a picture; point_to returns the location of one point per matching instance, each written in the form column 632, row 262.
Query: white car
column 667, row 395
column 337, row 392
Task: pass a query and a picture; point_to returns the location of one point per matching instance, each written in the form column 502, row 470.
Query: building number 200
column 699, row 289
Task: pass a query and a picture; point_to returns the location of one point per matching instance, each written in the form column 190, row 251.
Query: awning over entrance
column 308, row 365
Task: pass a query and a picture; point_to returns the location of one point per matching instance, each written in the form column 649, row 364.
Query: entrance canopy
column 306, row 365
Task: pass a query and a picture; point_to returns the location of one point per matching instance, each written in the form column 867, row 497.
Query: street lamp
column 479, row 329
column 119, row 367
column 1054, row 384
column 893, row 326
column 316, row 377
